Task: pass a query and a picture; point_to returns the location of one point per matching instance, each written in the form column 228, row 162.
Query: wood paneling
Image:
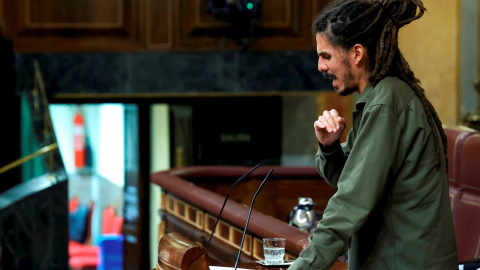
column 77, row 25
column 162, row 25
column 159, row 24
column 2, row 23
column 61, row 14
column 284, row 25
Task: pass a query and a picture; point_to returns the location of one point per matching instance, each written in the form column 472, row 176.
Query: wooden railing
column 189, row 206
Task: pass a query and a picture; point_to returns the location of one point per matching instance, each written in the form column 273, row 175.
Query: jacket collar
column 364, row 96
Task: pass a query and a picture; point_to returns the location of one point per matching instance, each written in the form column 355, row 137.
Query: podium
column 193, row 196
column 176, row 252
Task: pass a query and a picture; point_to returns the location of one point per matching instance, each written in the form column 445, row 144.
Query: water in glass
column 274, row 255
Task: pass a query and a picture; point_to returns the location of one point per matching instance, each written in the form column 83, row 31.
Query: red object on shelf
column 79, row 140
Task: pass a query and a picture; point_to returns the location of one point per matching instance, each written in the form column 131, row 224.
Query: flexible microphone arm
column 250, row 212
column 226, row 198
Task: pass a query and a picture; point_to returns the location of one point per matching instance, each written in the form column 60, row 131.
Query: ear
column 358, row 54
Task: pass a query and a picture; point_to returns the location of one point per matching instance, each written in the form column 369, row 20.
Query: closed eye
column 324, row 55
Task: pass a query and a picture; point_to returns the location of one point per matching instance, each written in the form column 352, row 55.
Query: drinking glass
column 273, row 250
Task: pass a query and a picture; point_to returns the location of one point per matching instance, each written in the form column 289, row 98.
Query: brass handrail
column 24, row 159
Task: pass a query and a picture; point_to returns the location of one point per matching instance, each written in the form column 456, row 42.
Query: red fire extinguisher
column 79, row 140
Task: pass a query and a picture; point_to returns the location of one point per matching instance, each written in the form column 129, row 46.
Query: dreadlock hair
column 374, row 24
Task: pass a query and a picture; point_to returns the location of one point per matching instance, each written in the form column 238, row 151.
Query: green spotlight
column 249, row 5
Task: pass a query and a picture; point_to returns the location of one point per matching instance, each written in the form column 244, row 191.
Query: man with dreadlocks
column 391, row 209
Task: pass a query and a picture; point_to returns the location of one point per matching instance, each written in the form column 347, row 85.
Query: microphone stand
column 226, row 198
column 249, row 213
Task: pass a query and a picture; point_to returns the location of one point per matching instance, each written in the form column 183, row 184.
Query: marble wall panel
column 208, row 72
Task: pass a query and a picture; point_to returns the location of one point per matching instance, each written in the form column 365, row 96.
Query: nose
column 322, row 66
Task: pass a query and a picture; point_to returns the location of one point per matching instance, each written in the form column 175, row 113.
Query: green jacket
column 392, row 207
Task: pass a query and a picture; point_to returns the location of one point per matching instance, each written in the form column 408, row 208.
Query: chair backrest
column 455, row 194
column 80, row 222
column 117, row 225
column 470, row 165
column 111, row 223
column 89, row 222
column 73, row 204
column 467, row 227
column 456, row 136
column 467, row 218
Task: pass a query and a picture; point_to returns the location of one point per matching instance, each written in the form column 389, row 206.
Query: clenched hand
column 329, row 127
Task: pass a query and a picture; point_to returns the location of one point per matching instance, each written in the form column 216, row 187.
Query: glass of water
column 273, row 250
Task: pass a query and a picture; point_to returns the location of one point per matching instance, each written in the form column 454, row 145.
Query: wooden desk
column 336, row 266
column 189, row 207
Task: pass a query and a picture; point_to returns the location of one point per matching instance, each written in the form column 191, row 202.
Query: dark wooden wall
column 152, row 25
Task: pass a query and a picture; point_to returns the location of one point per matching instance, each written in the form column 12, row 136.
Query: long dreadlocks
column 375, row 25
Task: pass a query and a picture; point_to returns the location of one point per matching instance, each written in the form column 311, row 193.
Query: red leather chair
column 111, row 223
column 73, row 206
column 456, row 137
column 467, row 223
column 467, row 229
column 470, row 165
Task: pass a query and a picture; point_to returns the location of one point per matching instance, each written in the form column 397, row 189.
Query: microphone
column 226, row 198
column 249, row 213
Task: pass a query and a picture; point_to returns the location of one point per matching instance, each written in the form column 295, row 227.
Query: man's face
column 335, row 65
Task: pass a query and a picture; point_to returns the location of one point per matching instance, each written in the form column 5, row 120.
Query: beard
column 348, row 81
column 349, row 87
